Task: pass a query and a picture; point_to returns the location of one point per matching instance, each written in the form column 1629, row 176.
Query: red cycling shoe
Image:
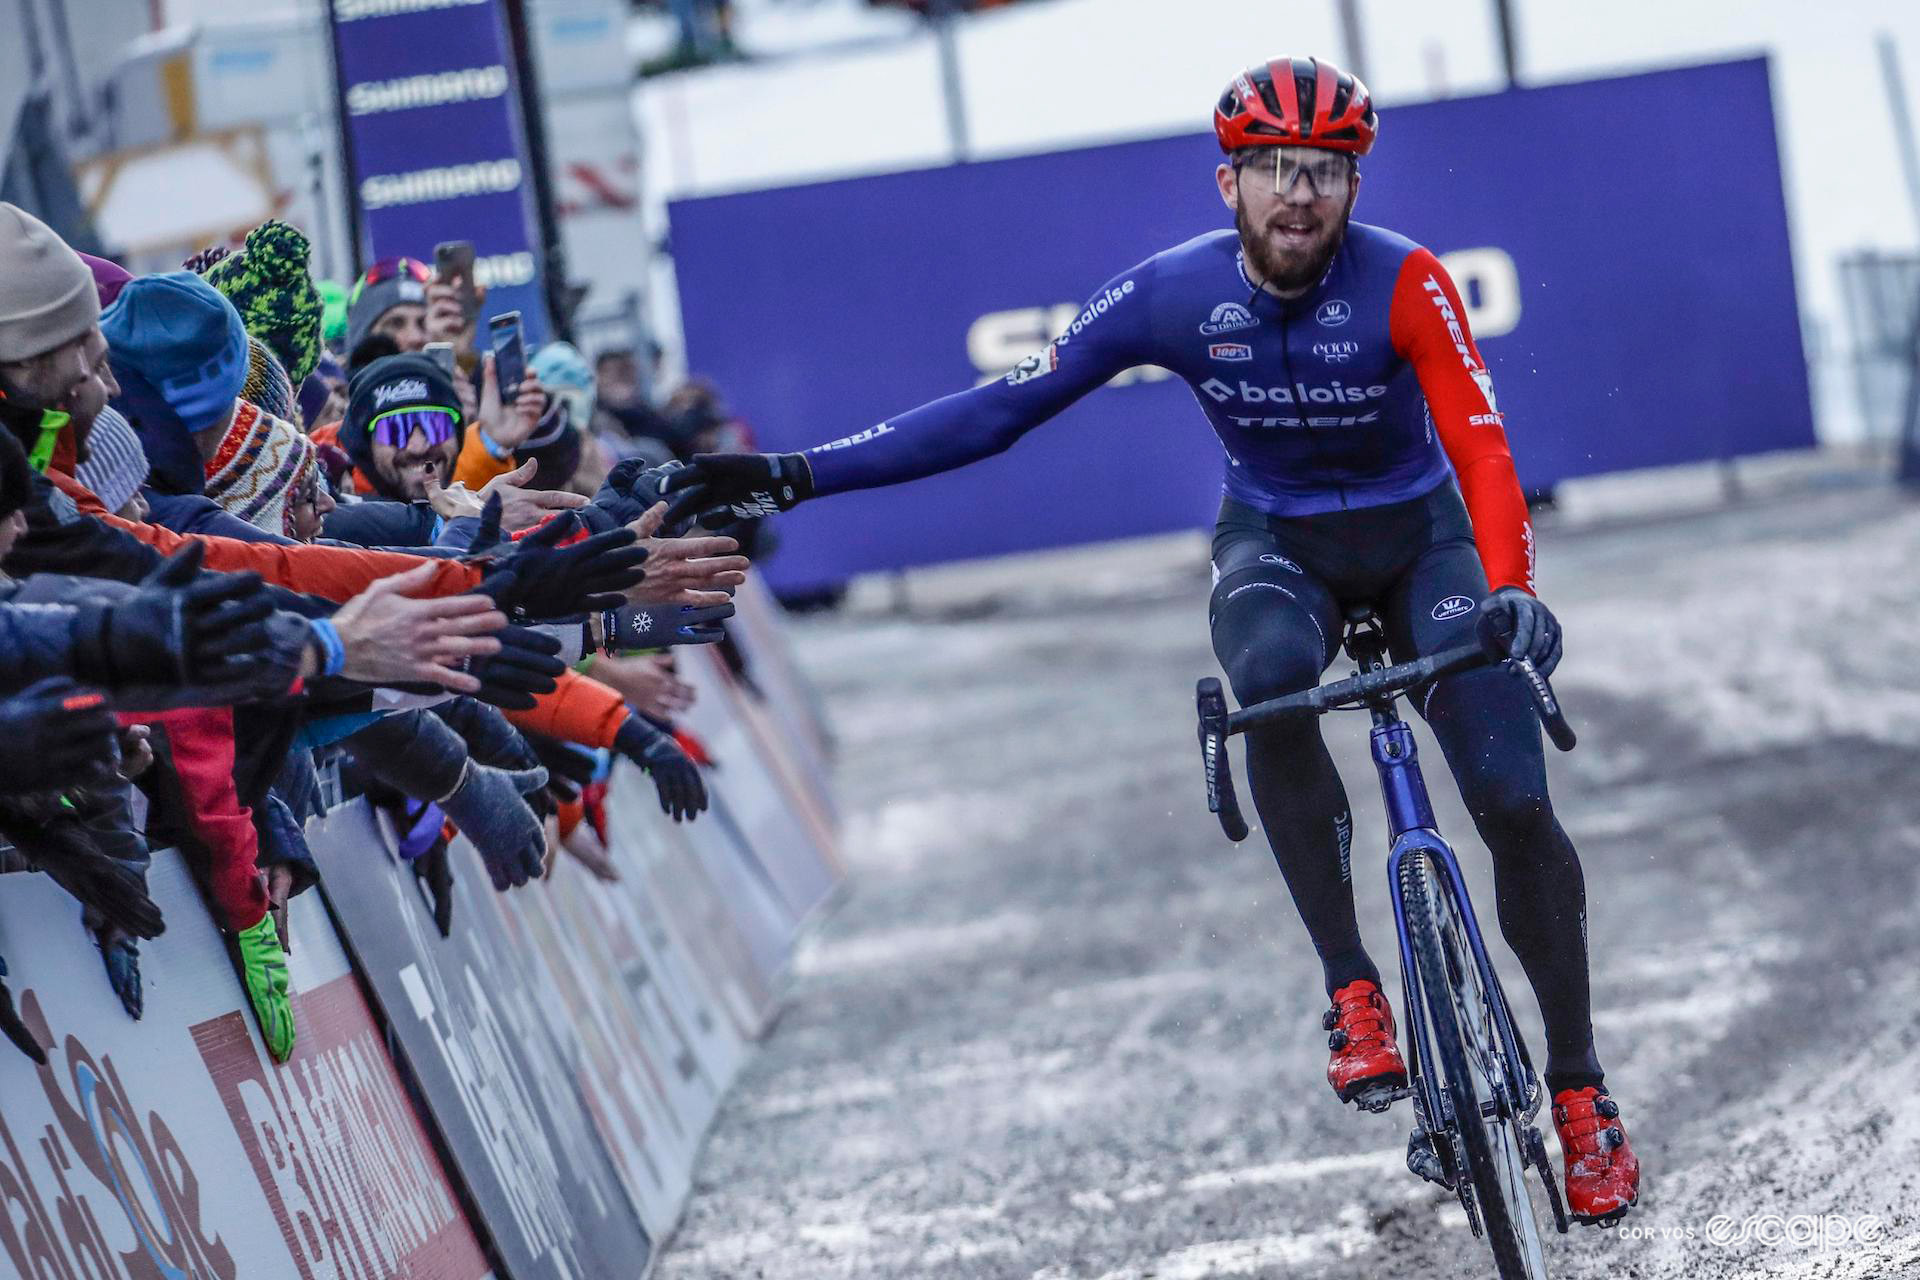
column 1366, row 1063
column 1603, row 1174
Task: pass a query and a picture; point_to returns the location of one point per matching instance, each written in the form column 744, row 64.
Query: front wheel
column 1468, row 1059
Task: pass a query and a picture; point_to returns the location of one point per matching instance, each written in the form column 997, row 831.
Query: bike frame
column 1411, row 822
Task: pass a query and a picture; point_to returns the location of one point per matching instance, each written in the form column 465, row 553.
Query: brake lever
column 1545, row 704
column 1221, row 800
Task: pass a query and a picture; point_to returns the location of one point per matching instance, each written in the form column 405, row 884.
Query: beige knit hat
column 47, row 297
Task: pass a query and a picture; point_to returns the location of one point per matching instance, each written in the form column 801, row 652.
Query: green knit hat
column 268, row 284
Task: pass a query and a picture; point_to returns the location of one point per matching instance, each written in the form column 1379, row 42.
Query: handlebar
column 1364, row 689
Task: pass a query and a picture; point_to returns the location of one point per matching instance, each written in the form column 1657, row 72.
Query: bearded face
column 1291, row 206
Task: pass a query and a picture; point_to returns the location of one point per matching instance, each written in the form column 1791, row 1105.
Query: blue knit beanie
column 179, row 334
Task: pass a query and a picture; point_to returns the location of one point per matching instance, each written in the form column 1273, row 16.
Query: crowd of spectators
column 258, row 534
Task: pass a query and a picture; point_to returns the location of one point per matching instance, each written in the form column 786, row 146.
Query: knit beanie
column 47, row 296
column 267, row 384
column 401, row 281
column 185, row 340
column 116, row 465
column 267, row 282
column 261, row 466
column 109, row 278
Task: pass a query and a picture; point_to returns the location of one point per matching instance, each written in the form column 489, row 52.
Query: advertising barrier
column 1632, row 291
column 525, row 1098
column 174, row 1147
column 431, row 108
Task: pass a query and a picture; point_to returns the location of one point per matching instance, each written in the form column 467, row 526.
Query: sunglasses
column 395, row 427
column 390, row 269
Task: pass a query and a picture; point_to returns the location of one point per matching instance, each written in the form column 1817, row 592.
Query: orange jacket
column 580, row 710
column 335, row 573
column 475, row 465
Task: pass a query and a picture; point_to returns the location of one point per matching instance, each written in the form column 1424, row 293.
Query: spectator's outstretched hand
column 541, row 579
column 392, row 638
column 659, row 626
column 696, row 572
column 648, row 682
column 521, row 507
column 180, row 627
column 528, row 664
column 490, row 810
column 682, row 793
column 116, row 892
column 55, row 736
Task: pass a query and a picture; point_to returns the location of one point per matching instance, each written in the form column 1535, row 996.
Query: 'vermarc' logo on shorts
column 1227, row 317
column 1452, row 607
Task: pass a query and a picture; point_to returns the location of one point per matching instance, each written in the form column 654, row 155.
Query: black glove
column 489, row 810
column 490, row 736
column 1515, row 624
column 746, row 484
column 115, row 892
column 11, row 1026
column 682, row 793
column 181, row 627
column 540, row 580
column 632, row 487
column 526, row 664
column 569, row 767
column 656, row 626
column 55, row 736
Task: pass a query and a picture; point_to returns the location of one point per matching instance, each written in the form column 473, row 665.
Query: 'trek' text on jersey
column 1364, row 391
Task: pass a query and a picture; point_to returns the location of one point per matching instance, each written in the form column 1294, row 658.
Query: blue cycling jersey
column 1357, row 394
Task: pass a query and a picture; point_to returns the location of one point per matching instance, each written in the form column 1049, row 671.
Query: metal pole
column 1908, row 466
column 1509, row 49
column 941, row 12
column 1353, row 37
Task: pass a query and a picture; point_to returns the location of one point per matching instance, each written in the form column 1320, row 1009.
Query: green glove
column 263, row 966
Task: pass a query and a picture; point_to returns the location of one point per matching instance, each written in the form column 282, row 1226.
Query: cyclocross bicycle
column 1473, row 1086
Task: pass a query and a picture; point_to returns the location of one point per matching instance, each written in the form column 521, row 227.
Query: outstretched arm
column 1111, row 334
column 1429, row 328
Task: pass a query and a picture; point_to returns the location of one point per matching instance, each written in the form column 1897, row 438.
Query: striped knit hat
column 267, row 384
column 267, row 282
column 263, row 463
column 116, row 464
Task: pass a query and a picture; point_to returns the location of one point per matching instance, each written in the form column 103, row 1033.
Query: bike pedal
column 1423, row 1160
column 1376, row 1098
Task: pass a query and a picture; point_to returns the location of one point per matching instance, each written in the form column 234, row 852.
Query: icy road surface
column 1063, row 1029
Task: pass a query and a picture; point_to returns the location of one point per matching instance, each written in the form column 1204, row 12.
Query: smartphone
column 441, row 353
column 453, row 263
column 509, row 353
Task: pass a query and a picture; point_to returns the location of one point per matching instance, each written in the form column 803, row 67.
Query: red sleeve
column 1429, row 328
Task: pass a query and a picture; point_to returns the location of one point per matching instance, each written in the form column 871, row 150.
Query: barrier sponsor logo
column 1227, row 317
column 1452, row 607
column 1333, row 312
column 333, row 1137
column 470, row 84
column 130, row 1153
column 1230, row 351
column 449, row 182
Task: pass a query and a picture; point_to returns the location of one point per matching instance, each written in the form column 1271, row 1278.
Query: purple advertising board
column 1631, row 288
column 431, row 110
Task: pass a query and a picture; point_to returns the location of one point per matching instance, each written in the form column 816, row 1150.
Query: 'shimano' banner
column 1631, row 289
column 431, row 106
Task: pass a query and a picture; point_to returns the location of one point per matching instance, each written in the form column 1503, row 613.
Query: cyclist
column 1366, row 461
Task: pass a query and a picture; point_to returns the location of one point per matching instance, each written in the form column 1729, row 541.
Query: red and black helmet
column 1300, row 102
